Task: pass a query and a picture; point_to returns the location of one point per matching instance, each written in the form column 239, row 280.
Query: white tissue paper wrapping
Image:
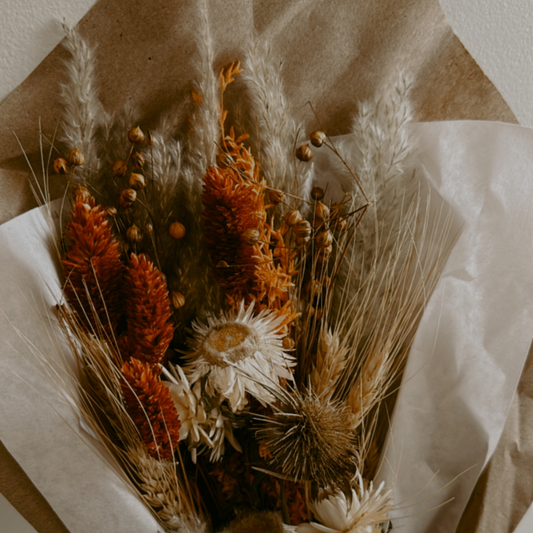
column 460, row 378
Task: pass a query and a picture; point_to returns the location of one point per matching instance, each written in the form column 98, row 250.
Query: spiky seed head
column 293, row 217
column 75, row 157
column 250, row 236
column 322, row 211
column 119, row 168
column 137, row 181
column 304, row 153
column 177, row 299
column 134, row 234
column 309, row 438
column 136, row 135
column 60, row 166
column 138, row 160
column 82, row 192
column 127, row 197
column 176, row 230
column 318, row 138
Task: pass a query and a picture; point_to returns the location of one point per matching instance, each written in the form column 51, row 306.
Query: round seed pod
column 324, row 239
column 304, row 153
column 288, row 343
column 293, row 217
column 302, row 229
column 150, row 138
column 318, row 138
column 134, row 234
column 148, row 228
column 250, row 236
column 111, row 211
column 137, row 181
column 317, row 193
column 222, row 264
column 83, row 192
column 127, row 197
column 275, row 196
column 177, row 299
column 119, row 168
column 176, row 230
column 341, row 224
column 75, row 157
column 322, row 211
column 60, row 166
column 138, row 160
column 136, row 135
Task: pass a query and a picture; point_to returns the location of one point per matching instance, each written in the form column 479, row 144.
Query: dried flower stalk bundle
column 237, row 330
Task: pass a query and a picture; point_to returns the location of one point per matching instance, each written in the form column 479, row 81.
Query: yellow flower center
column 229, row 342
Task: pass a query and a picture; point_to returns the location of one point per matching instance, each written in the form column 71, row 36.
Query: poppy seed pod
column 127, row 197
column 317, row 193
column 176, row 230
column 60, row 166
column 119, row 168
column 137, row 182
column 138, row 160
column 317, row 138
column 177, row 299
column 136, row 135
column 75, row 157
column 304, row 153
column 293, row 217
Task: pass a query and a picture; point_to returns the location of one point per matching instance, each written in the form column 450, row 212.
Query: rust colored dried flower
column 60, row 166
column 238, row 235
column 304, row 153
column 92, row 267
column 136, row 135
column 75, row 157
column 149, row 328
column 119, row 168
column 151, row 407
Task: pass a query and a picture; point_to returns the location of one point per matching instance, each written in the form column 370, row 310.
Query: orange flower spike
column 92, row 267
column 150, row 406
column 149, row 328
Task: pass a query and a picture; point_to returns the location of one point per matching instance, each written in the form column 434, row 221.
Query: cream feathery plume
column 274, row 131
column 82, row 108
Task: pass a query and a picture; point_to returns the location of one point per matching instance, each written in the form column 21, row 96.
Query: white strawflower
column 240, row 353
column 364, row 512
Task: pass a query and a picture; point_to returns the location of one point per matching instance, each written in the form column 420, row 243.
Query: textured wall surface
column 29, row 31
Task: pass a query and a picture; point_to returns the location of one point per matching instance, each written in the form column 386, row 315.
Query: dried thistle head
column 309, row 439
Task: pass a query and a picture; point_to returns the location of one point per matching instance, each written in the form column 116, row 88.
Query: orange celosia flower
column 92, row 267
column 150, row 405
column 244, row 247
column 149, row 327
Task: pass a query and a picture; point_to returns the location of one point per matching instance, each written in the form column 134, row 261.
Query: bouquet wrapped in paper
column 229, row 312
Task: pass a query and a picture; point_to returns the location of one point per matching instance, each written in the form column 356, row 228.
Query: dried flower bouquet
column 240, row 324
